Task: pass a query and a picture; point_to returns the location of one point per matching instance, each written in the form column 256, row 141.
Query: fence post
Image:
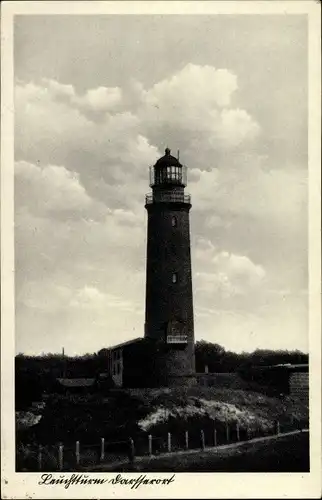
column 102, row 449
column 215, row 437
column 40, row 457
column 227, row 432
column 77, row 453
column 60, row 456
column 169, row 442
column 131, row 450
column 237, row 432
column 202, row 435
column 278, row 427
column 186, row 440
column 150, row 444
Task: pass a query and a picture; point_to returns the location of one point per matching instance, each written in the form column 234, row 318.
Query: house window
column 174, row 221
column 174, row 277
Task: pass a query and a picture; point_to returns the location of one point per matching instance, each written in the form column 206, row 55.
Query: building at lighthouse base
column 143, row 362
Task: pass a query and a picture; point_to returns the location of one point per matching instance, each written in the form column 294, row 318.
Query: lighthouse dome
column 168, row 160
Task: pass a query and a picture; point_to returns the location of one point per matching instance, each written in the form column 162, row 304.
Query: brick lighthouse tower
column 169, row 303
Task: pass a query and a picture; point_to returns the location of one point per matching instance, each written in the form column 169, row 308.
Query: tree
column 208, row 354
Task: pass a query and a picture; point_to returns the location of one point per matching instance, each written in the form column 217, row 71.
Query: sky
column 97, row 99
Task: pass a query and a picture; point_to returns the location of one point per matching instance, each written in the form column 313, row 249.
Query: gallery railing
column 167, row 197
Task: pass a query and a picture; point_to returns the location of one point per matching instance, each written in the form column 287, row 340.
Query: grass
column 283, row 454
column 140, row 412
column 199, row 407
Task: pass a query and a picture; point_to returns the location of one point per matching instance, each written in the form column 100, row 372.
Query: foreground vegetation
column 238, row 400
column 138, row 413
column 128, row 413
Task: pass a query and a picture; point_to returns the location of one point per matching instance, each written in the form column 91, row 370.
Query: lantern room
column 168, row 171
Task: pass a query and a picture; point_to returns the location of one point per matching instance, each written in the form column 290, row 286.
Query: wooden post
column 169, row 442
column 102, row 449
column 202, row 435
column 150, row 444
column 248, row 433
column 237, row 432
column 131, row 450
column 40, row 457
column 186, row 440
column 227, row 432
column 77, row 452
column 60, row 456
column 215, row 437
column 278, row 428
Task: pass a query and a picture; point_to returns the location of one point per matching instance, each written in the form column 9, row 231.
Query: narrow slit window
column 174, row 278
column 174, row 221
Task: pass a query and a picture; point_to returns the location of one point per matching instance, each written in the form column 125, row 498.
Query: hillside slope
column 139, row 411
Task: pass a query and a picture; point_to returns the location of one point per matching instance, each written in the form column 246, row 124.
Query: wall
column 220, row 380
column 299, row 384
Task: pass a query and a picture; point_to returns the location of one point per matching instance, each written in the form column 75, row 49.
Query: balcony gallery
column 167, row 196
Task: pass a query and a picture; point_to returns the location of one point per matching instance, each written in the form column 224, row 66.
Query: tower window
column 174, row 221
column 174, row 278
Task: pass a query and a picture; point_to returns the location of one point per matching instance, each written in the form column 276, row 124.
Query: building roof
column 76, row 382
column 117, row 346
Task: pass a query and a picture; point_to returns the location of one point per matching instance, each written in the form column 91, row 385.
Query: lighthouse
column 169, row 302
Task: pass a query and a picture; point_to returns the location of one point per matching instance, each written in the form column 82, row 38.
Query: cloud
column 53, row 126
column 194, row 108
column 236, row 126
column 50, row 298
column 81, row 174
column 101, row 99
column 106, row 131
column 190, row 96
column 239, row 267
column 53, row 190
column 91, row 298
column 227, row 275
column 247, row 184
column 81, row 319
column 247, row 207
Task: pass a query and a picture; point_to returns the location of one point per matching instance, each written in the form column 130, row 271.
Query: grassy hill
column 172, row 410
column 138, row 412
